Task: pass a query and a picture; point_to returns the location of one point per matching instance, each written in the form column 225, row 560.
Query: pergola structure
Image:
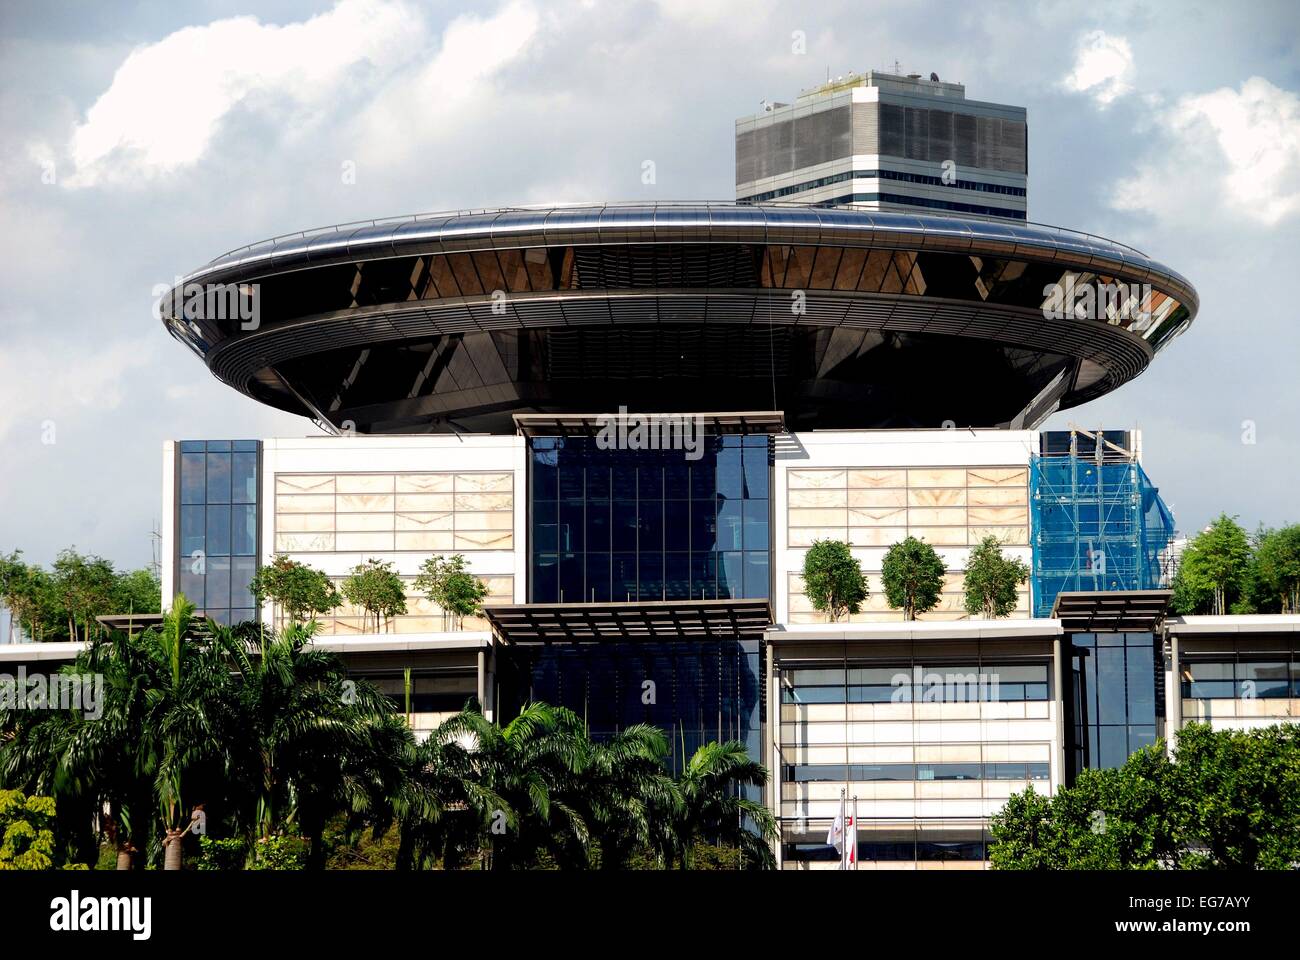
column 540, row 623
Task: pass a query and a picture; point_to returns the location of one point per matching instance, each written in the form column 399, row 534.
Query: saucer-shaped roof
column 841, row 318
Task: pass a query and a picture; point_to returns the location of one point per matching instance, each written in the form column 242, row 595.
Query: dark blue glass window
column 218, row 531
column 1115, row 697
column 192, row 530
column 243, row 478
column 218, row 478
column 1244, row 679
column 216, row 549
column 193, row 482
column 695, row 690
column 648, row 524
column 243, row 529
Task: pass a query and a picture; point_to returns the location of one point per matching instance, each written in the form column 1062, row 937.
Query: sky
column 140, row 140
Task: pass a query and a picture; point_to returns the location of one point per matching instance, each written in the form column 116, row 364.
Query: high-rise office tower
column 878, row 141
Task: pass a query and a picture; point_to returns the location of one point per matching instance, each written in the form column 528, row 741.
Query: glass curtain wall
column 696, row 691
column 1118, row 694
column 216, row 554
column 618, row 525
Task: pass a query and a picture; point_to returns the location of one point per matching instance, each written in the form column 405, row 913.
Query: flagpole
column 844, row 831
column 855, row 831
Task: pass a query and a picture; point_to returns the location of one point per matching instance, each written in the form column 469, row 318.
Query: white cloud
column 715, row 11
column 1237, row 150
column 417, row 109
column 59, row 382
column 167, row 99
column 1103, row 66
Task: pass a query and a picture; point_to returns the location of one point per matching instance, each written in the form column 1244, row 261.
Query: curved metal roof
column 344, row 288
column 704, row 222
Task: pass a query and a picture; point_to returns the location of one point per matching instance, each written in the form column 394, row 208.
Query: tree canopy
column 833, row 579
column 375, row 588
column 992, row 580
column 1229, row 799
column 300, row 591
column 1213, row 569
column 62, row 603
column 447, row 582
column 1274, row 574
column 913, row 576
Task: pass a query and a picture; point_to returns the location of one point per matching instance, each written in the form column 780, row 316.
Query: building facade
column 633, row 420
column 562, row 518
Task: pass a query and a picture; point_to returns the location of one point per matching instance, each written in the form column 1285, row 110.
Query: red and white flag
column 836, row 835
column 844, row 834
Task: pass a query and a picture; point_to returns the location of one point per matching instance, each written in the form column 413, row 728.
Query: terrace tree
column 833, row 580
column 377, row 590
column 992, row 580
column 136, row 591
column 1275, row 567
column 300, row 591
column 1213, row 569
column 447, row 582
column 63, row 604
column 913, row 576
column 25, row 591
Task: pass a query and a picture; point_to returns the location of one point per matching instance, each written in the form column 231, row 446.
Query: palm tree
column 113, row 758
column 625, row 791
column 712, row 807
column 535, row 763
column 95, row 767
column 311, row 742
column 444, row 805
column 190, row 717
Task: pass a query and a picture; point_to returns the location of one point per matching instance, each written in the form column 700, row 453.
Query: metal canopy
column 130, row 622
column 589, row 424
column 1111, row 610
column 529, row 623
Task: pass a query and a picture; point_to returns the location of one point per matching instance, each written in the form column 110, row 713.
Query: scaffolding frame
column 1097, row 523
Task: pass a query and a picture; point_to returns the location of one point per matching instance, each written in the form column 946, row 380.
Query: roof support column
column 1058, row 707
column 1173, row 694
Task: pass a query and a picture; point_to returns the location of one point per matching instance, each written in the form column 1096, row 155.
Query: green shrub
column 27, row 840
column 228, row 854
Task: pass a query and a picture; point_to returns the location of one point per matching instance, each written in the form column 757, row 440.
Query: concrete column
column 490, row 685
column 1058, row 707
column 482, row 680
column 1173, row 696
column 773, row 751
column 170, row 520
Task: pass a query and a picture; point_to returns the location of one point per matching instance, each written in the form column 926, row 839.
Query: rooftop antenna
column 156, row 541
column 898, row 70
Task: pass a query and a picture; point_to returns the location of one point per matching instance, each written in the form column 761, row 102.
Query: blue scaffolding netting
column 1095, row 526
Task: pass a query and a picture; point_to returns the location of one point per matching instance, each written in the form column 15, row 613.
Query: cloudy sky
column 139, row 140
